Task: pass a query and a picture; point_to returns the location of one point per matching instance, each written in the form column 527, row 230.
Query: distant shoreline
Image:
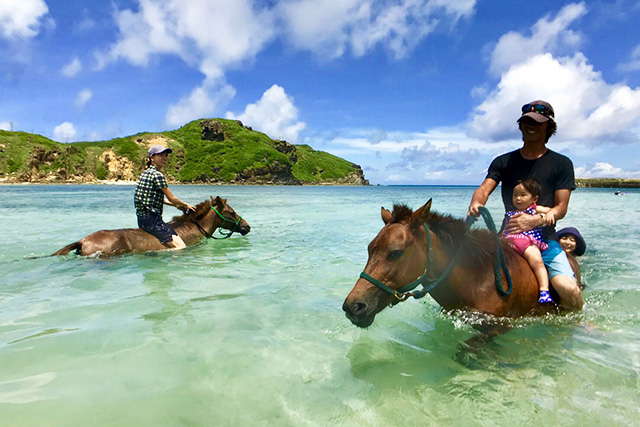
column 608, row 182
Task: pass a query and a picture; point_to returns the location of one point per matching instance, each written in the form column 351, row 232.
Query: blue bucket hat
column 581, row 245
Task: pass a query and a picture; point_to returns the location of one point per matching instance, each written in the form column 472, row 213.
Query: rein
column 226, row 235
column 428, row 284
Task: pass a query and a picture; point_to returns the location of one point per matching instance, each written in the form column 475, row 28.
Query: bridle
column 224, row 220
column 428, row 284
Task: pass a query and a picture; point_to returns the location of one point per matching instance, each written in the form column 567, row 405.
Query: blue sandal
column 545, row 297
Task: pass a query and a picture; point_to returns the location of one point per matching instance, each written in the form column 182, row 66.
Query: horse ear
column 419, row 217
column 386, row 215
column 219, row 201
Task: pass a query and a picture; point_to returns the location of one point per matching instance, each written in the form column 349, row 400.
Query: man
column 555, row 174
column 152, row 191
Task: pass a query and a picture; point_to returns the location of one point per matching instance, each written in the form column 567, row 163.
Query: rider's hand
column 187, row 208
column 474, row 209
column 521, row 222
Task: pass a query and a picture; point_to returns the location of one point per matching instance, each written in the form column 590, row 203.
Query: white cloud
column 203, row 101
column 210, row 35
column 21, row 19
column 72, row 68
column 274, row 114
column 604, row 170
column 546, row 36
column 634, row 61
column 329, row 27
column 5, row 125
column 64, row 132
column 587, row 107
column 83, row 97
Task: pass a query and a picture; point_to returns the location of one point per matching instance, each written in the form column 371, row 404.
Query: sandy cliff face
column 118, row 167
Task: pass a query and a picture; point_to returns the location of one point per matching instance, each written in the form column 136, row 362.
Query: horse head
column 230, row 219
column 397, row 256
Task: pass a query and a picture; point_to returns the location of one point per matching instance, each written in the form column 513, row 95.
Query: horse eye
column 394, row 255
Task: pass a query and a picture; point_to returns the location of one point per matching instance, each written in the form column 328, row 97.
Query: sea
column 249, row 331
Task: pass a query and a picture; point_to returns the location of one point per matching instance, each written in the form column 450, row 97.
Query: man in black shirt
column 555, row 174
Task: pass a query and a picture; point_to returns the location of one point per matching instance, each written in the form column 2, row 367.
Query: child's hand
column 550, row 218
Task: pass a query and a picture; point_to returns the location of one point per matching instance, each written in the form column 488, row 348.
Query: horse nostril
column 355, row 308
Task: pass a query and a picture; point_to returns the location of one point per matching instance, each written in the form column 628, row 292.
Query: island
column 205, row 151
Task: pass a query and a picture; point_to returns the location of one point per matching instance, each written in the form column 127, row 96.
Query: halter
column 226, row 235
column 428, row 284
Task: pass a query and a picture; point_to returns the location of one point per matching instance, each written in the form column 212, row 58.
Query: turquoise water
column 250, row 331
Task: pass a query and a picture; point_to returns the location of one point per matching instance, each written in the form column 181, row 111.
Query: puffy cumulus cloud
column 605, row 170
column 82, row 98
column 201, row 102
column 634, row 61
column 274, row 114
column 210, row 35
column 329, row 27
column 587, row 107
column 5, row 125
column 72, row 68
column 21, row 19
column 547, row 36
column 64, row 132
column 579, row 95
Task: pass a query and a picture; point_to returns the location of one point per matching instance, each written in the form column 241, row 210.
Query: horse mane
column 201, row 210
column 478, row 245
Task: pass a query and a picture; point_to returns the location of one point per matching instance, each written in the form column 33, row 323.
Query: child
column 529, row 244
column 152, row 191
column 571, row 241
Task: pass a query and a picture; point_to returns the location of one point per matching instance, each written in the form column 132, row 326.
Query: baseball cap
column 540, row 111
column 157, row 149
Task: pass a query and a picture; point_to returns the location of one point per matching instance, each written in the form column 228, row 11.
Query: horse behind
column 208, row 216
column 399, row 253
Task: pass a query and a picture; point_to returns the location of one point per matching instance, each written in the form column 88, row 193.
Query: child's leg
column 534, row 258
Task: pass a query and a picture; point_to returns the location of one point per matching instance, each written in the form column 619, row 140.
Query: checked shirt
column 149, row 195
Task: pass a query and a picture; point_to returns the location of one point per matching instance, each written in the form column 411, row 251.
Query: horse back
column 117, row 242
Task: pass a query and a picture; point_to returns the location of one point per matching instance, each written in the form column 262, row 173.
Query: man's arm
column 481, row 195
column 520, row 223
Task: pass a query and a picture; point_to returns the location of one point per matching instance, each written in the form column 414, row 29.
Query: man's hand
column 521, row 222
column 474, row 209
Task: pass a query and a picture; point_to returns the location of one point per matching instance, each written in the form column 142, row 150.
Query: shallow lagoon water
column 250, row 331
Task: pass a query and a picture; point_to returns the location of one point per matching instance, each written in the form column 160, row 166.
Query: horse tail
column 73, row 246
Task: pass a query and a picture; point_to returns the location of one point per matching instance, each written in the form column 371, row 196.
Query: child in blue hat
column 571, row 241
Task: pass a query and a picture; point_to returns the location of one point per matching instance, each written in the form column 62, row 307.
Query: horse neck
column 188, row 230
column 447, row 293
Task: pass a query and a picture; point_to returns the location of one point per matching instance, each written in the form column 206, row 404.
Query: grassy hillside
column 208, row 150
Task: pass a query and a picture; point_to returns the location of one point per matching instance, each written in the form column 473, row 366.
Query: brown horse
column 399, row 254
column 208, row 216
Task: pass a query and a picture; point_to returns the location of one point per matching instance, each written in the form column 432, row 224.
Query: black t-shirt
column 553, row 171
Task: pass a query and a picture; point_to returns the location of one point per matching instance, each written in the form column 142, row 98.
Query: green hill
column 204, row 151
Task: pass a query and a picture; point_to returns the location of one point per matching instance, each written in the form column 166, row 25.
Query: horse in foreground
column 208, row 216
column 400, row 252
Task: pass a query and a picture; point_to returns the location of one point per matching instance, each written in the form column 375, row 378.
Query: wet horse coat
column 191, row 228
column 398, row 255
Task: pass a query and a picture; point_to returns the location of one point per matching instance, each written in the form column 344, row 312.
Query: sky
column 420, row 92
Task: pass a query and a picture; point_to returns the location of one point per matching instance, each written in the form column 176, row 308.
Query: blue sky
column 414, row 91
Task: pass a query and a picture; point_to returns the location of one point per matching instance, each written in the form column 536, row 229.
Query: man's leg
column 561, row 276
column 568, row 291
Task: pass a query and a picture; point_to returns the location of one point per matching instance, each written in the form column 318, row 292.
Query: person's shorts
column 555, row 259
column 153, row 224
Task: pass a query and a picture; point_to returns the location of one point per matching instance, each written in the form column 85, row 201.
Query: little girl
column 529, row 244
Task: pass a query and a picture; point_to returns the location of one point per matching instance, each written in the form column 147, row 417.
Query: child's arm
column 549, row 217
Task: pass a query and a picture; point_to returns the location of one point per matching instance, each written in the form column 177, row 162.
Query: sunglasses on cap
column 537, row 108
